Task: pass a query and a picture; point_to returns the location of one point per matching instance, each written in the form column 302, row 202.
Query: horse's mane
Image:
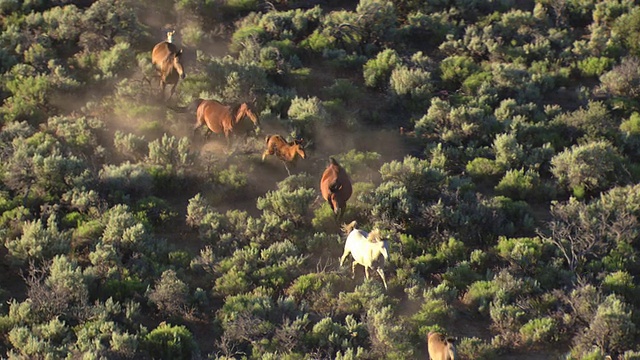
column 374, row 236
column 347, row 228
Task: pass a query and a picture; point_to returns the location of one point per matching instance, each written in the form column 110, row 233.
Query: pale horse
column 367, row 249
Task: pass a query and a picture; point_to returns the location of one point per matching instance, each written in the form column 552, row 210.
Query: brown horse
column 440, row 347
column 168, row 62
column 222, row 118
column 287, row 152
column 335, row 186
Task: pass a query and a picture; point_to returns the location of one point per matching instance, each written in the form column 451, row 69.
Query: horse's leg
column 173, row 89
column 344, row 256
column 286, row 167
column 379, row 270
column 366, row 272
column 162, row 86
column 353, row 269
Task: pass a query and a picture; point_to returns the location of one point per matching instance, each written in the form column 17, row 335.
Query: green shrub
column 539, row 330
column 631, row 126
column 518, row 184
column 170, row 342
column 232, row 180
column 595, row 166
column 612, row 327
column 38, row 242
column 414, row 84
column 622, row 283
column 483, row 168
column 461, row 275
column 474, row 348
column 455, row 69
column 123, row 289
column 377, row 71
column 594, row 66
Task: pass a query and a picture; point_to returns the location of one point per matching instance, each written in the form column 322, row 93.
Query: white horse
column 367, row 249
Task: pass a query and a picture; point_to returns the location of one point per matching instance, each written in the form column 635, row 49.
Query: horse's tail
column 347, row 228
column 333, row 161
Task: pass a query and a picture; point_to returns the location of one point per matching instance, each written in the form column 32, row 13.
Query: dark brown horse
column 168, row 62
column 222, row 118
column 335, row 186
column 287, row 152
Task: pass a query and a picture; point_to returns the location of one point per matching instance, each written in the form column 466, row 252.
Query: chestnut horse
column 367, row 249
column 222, row 118
column 440, row 347
column 287, row 152
column 168, row 62
column 335, row 186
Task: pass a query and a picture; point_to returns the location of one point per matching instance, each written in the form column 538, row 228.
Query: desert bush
column 483, row 169
column 170, row 342
column 107, row 21
column 454, row 70
column 377, row 71
column 612, row 328
column 624, row 79
column 388, row 335
column 58, row 289
column 474, row 348
column 461, row 275
column 593, row 166
column 630, row 129
column 522, row 253
column 125, row 180
column 306, row 114
column 93, row 337
column 170, row 294
column 318, row 290
column 621, row 283
column 539, row 330
column 412, row 83
column 519, row 184
column 37, row 342
column 124, row 230
column 287, row 204
column 457, row 125
column 594, row 66
column 507, row 320
column 38, row 242
column 628, row 28
column 231, row 180
column 592, row 123
column 30, row 93
column 582, row 237
column 172, row 154
column 509, row 153
column 376, row 20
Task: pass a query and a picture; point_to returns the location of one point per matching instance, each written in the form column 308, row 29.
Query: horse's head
column 298, row 145
column 244, row 110
column 384, row 249
column 177, row 64
column 170, row 35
